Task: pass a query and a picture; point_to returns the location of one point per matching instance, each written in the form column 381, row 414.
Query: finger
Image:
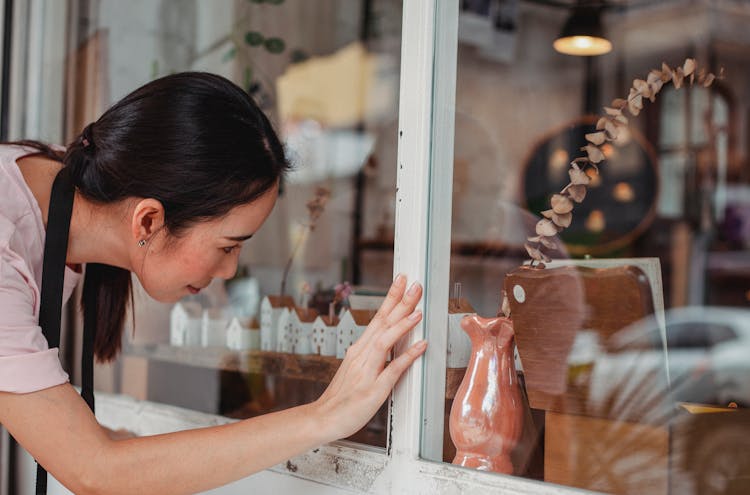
column 384, row 341
column 395, row 293
column 379, row 321
column 401, row 310
column 393, row 371
column 406, row 306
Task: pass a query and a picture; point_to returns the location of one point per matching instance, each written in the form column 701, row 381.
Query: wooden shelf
column 303, row 367
column 297, row 366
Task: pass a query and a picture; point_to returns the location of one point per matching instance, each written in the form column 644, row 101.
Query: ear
column 148, row 218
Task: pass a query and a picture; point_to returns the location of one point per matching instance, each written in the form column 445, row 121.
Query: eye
column 228, row 250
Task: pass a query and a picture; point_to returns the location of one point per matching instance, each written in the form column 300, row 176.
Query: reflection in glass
column 629, row 362
column 326, row 73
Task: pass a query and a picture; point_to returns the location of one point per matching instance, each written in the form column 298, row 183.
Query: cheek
column 191, row 262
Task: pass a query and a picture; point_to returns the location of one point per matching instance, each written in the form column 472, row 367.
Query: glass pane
column 326, row 72
column 672, row 126
column 617, row 367
column 672, row 167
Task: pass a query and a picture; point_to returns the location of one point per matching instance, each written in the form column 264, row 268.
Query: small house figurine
column 325, row 335
column 302, row 322
column 241, row 337
column 459, row 344
column 271, row 308
column 185, row 324
column 284, row 332
column 350, row 328
column 214, row 328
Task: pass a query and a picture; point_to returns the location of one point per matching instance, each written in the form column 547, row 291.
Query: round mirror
column 620, row 201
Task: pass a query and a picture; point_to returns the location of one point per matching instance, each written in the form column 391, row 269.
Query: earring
column 142, row 242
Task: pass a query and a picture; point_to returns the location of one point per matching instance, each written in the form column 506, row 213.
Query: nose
column 228, row 267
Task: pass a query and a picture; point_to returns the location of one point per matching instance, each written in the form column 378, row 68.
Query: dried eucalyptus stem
column 608, row 129
column 315, row 208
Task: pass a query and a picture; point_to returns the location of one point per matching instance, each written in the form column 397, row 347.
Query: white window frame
column 422, row 252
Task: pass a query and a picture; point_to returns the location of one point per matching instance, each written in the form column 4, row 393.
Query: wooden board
column 550, row 307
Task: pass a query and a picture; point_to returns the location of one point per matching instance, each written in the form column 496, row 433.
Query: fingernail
column 413, row 289
column 399, row 278
column 415, row 315
column 422, row 344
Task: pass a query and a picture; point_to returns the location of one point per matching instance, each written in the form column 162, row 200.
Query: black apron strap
column 90, row 311
column 53, row 278
column 55, row 252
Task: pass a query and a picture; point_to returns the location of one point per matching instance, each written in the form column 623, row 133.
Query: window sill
column 340, row 464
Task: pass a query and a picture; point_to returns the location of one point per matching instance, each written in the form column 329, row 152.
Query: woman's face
column 174, row 267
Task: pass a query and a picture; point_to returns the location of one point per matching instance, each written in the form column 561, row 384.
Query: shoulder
column 16, row 198
column 27, row 364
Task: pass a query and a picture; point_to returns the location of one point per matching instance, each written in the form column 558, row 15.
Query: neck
column 97, row 234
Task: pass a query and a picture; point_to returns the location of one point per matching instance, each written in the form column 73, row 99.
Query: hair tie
column 86, row 139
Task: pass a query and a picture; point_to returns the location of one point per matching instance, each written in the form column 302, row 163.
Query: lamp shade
column 583, row 34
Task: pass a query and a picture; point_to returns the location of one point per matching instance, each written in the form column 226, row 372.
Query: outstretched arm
column 57, row 428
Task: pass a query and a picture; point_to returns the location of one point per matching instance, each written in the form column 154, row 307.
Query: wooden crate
column 605, row 455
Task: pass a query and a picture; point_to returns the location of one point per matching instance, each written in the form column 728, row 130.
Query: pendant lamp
column 583, row 33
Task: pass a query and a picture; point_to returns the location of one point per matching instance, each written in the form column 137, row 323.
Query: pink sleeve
column 26, row 362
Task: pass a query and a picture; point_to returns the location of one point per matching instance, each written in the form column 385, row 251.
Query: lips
column 193, row 290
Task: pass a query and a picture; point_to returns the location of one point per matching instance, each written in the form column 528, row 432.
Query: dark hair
column 194, row 141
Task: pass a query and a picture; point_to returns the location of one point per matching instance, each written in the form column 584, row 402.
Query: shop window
column 327, row 74
column 610, row 396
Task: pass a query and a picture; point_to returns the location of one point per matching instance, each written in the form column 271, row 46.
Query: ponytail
column 110, row 289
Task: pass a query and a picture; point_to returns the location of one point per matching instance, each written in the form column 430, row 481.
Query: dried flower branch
column 608, row 128
column 342, row 292
column 315, row 208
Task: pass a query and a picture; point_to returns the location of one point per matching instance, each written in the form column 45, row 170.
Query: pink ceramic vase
column 487, row 413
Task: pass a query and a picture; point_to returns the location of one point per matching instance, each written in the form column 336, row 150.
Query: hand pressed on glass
column 363, row 381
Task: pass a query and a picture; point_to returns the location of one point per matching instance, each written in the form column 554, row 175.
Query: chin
column 165, row 297
column 171, row 298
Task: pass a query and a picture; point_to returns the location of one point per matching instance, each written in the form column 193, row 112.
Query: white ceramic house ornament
column 271, row 308
column 185, row 324
column 284, row 332
column 214, row 328
column 459, row 344
column 302, row 323
column 242, row 338
column 350, row 328
column 325, row 335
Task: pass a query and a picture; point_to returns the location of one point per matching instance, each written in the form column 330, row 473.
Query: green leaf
column 275, row 45
column 229, row 55
column 254, row 38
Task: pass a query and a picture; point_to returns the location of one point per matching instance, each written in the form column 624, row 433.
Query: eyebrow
column 240, row 238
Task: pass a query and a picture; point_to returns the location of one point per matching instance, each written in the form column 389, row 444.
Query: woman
column 168, row 184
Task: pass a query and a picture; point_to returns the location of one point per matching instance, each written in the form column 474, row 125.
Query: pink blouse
column 26, row 362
